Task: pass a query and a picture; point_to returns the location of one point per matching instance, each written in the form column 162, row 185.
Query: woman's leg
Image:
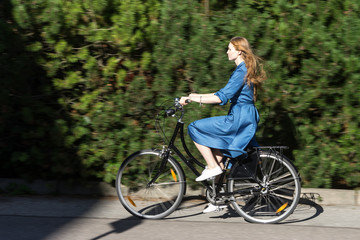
column 208, row 155
column 213, row 168
column 213, row 157
column 218, row 157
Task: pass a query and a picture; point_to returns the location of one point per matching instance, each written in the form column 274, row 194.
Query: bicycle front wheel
column 272, row 194
column 144, row 198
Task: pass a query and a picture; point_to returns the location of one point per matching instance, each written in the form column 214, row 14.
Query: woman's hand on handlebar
column 184, row 101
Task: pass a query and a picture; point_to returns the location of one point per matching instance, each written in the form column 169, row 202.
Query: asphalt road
column 44, row 217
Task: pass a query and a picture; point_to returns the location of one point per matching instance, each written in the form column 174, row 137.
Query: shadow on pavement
column 39, row 217
column 187, row 207
column 120, row 226
column 306, row 209
column 192, row 206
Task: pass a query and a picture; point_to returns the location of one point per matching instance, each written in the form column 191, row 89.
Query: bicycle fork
column 164, row 155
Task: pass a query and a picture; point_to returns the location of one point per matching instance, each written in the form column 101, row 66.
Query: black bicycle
column 263, row 187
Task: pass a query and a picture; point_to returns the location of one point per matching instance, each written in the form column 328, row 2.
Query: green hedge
column 82, row 79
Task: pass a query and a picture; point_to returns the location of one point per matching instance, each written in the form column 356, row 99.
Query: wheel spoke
column 167, row 183
column 285, row 177
column 285, row 187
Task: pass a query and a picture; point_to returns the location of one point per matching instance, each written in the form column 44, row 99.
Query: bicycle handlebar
column 171, row 111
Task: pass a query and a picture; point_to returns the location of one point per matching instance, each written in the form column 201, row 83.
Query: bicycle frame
column 179, row 129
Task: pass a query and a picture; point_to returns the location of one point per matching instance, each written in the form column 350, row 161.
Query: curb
column 55, row 187
column 332, row 196
column 19, row 186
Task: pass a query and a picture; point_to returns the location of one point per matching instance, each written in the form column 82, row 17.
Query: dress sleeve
column 235, row 83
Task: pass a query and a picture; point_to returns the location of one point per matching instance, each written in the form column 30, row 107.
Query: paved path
column 36, row 217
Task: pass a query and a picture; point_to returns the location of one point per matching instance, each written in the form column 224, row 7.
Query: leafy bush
column 82, row 80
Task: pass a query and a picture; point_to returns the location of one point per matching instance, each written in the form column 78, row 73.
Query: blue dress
column 235, row 131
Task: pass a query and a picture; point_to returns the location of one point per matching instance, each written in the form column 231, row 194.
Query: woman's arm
column 198, row 94
column 201, row 98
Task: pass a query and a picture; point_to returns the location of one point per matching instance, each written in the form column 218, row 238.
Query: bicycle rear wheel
column 150, row 200
column 272, row 194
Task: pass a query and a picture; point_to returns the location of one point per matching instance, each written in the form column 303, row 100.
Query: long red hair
column 255, row 71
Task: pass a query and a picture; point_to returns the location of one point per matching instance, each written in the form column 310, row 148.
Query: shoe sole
column 220, row 208
column 210, row 178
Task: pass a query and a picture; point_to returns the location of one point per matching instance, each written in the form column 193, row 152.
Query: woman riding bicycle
column 229, row 135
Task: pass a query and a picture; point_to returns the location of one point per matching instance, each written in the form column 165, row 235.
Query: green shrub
column 82, row 80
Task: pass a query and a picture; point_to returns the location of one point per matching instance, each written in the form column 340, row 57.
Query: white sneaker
column 213, row 208
column 209, row 173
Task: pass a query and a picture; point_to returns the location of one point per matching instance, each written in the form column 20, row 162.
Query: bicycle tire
column 272, row 194
column 154, row 201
